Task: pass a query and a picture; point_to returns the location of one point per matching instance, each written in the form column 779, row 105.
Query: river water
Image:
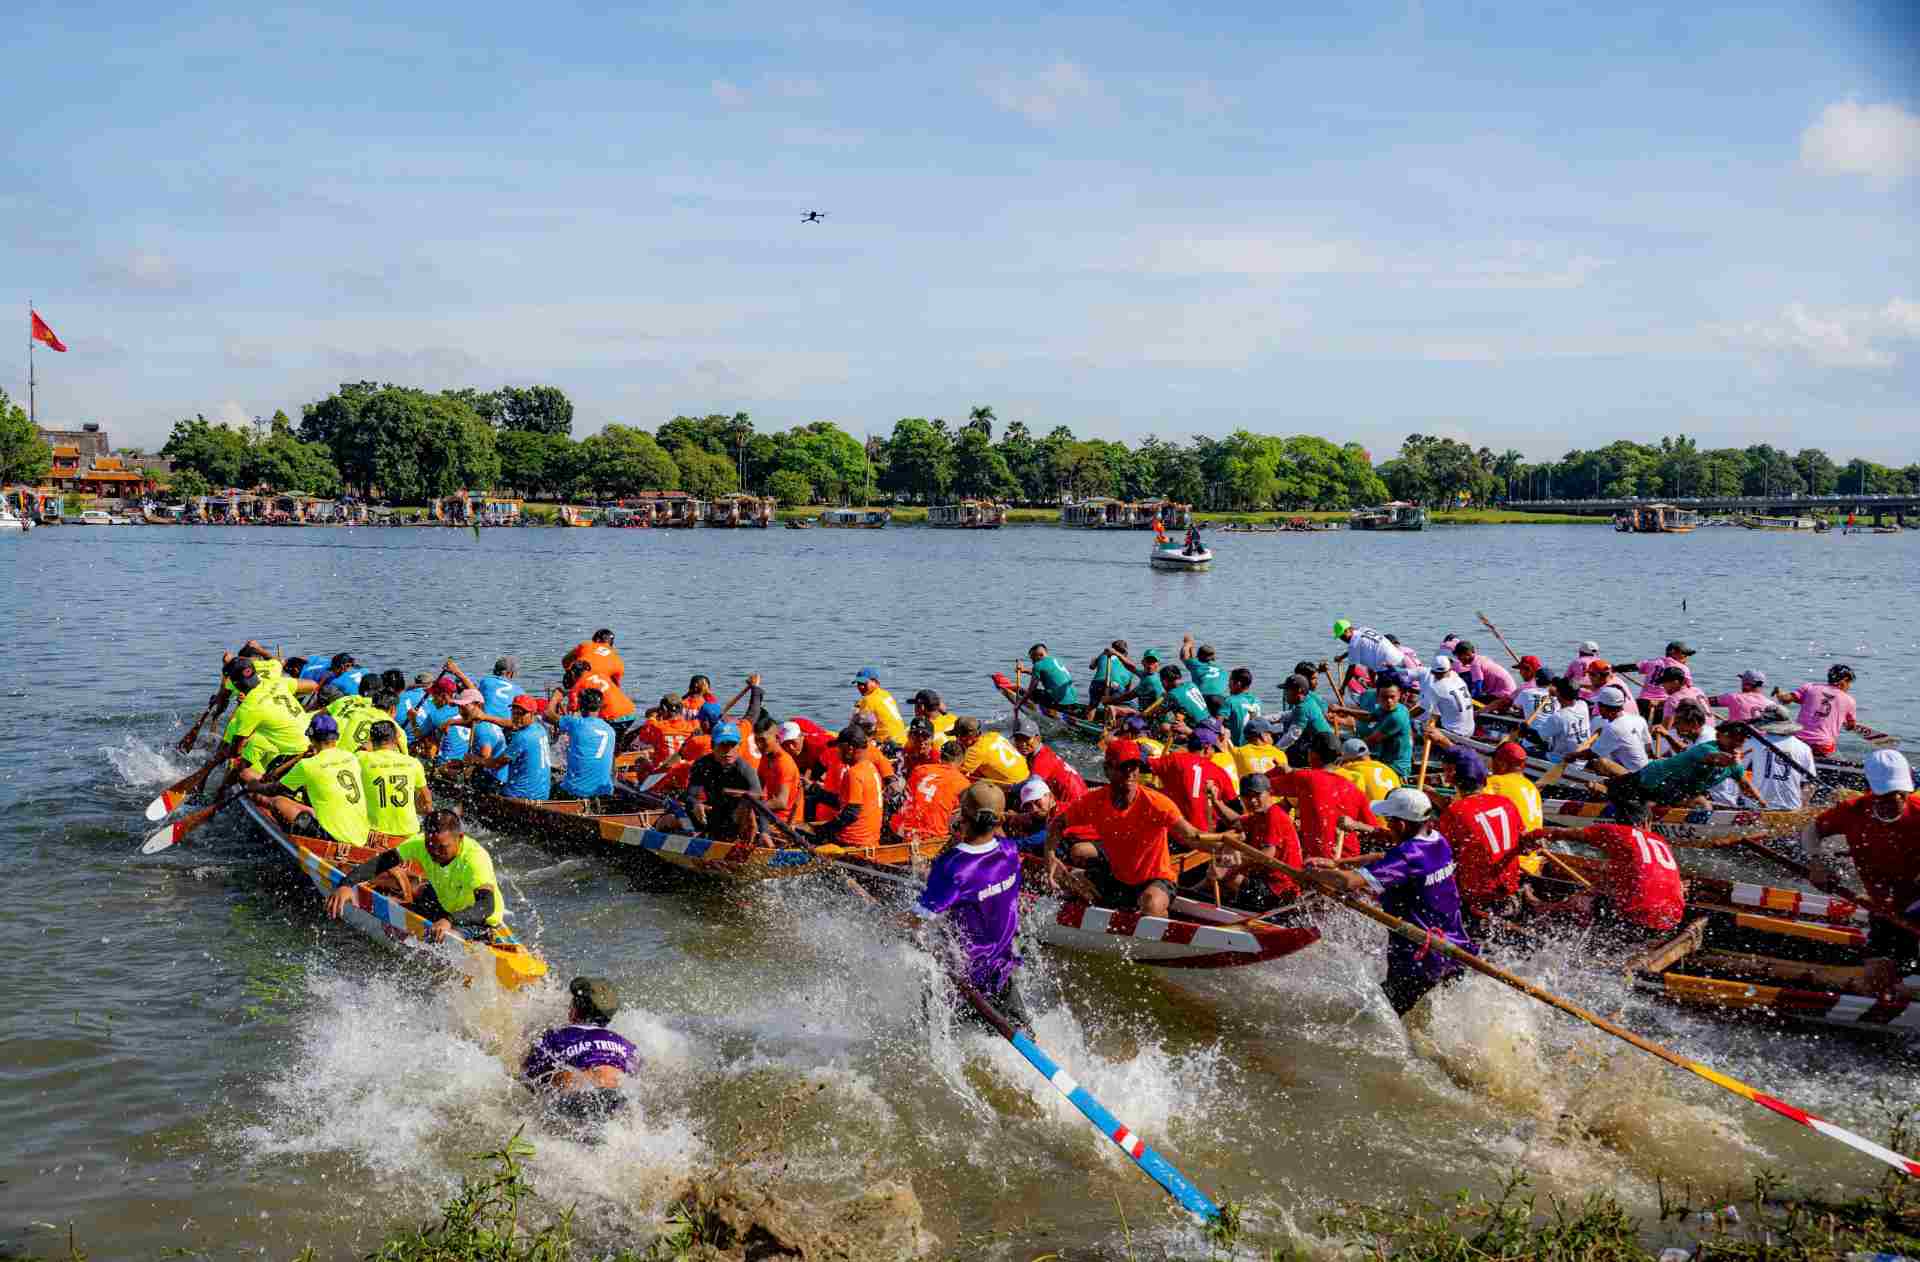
column 191, row 1056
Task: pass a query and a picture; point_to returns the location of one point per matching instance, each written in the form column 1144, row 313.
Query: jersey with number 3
column 1484, row 830
column 1642, row 878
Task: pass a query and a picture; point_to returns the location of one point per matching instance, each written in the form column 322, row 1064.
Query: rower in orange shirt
column 933, row 794
column 861, row 796
column 615, row 706
column 598, row 653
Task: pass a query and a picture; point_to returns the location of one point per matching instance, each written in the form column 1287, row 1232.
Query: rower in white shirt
column 1367, row 647
column 1567, row 725
column 1446, row 698
column 1621, row 741
column 1780, row 781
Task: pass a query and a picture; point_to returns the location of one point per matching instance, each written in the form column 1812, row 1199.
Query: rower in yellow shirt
column 1259, row 756
column 877, row 701
column 1510, row 782
column 989, row 756
column 396, row 784
column 463, row 891
column 927, row 705
column 336, row 805
column 269, row 722
column 1367, row 773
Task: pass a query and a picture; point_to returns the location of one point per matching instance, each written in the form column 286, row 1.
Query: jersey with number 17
column 1484, row 830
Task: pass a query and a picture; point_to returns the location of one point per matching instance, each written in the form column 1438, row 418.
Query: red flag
column 41, row 333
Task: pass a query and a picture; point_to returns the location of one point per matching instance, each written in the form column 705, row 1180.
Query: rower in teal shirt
column 1207, row 674
column 1183, row 697
column 1112, row 681
column 1390, row 732
column 1241, row 706
column 1151, row 689
column 1050, row 678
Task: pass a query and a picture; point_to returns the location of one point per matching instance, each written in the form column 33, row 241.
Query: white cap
column 1888, row 772
column 789, row 731
column 1033, row 790
column 1588, row 646
column 1441, row 664
column 1610, row 696
column 1407, row 804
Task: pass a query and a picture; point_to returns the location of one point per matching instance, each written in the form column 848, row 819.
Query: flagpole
column 33, row 411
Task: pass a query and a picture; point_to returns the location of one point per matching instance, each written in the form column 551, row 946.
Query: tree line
column 406, row 445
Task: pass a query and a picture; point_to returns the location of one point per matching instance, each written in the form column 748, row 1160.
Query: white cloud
column 1044, row 97
column 1844, row 338
column 142, row 271
column 1880, row 142
column 729, row 94
column 229, row 412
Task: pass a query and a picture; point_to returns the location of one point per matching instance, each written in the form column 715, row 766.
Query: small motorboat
column 799, row 523
column 1173, row 556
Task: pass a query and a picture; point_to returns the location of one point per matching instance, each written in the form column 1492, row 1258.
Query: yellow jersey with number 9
column 331, row 779
column 392, row 778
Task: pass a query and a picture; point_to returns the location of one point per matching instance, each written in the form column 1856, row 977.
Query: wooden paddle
column 1564, row 765
column 1566, row 867
column 1426, row 752
column 172, row 796
column 1488, row 624
column 1439, row 943
column 1875, row 737
column 188, row 741
column 1802, row 871
column 173, row 834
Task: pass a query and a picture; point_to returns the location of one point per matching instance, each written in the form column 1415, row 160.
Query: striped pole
column 1156, row 1167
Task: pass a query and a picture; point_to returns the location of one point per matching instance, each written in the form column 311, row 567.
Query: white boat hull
column 1175, row 559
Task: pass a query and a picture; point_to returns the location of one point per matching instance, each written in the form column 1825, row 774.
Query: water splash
column 141, row 765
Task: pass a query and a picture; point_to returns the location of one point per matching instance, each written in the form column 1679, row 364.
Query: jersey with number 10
column 1642, row 878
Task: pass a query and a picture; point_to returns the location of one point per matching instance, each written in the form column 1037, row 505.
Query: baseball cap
column 1135, row 724
column 852, row 736
column 867, row 675
column 708, row 713
column 330, row 693
column 1610, row 696
column 322, row 725
column 506, row 666
column 1033, row 790
column 1407, row 804
column 1205, row 736
column 1588, row 646
column 340, row 660
column 966, row 725
column 922, row 728
column 1599, row 666
column 1154, row 655
column 469, row 696
column 1681, row 647
column 1024, row 726
column 726, row 734
column 529, row 703
column 595, row 995
column 1530, row 663
column 1353, row 747
column 1509, row 753
column 1753, row 677
column 1297, row 681
column 982, row 798
column 1441, row 664
column 446, row 683
column 790, row 731
column 422, row 679
column 927, row 697
column 1256, row 783
column 1123, row 753
column 1464, row 646
column 1259, row 727
column 1888, row 772
column 1468, row 765
column 1340, row 627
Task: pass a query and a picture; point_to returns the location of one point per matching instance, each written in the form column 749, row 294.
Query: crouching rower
column 578, row 1068
column 975, row 884
column 1414, row 881
column 462, row 891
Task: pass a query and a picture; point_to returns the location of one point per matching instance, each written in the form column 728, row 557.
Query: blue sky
column 1525, row 225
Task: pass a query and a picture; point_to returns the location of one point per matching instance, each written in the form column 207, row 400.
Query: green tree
column 621, row 461
column 832, row 461
column 24, row 456
column 217, row 453
column 790, row 488
column 284, row 463
column 1817, row 471
column 534, row 409
column 704, row 474
column 978, row 469
column 188, row 484
column 919, row 461
column 981, row 419
column 523, row 460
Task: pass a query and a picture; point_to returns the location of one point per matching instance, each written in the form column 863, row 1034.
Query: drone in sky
column 813, row 216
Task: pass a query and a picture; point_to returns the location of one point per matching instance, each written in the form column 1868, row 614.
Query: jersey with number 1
column 1484, row 830
column 1641, row 878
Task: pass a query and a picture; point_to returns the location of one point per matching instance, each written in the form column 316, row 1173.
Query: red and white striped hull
column 1184, row 939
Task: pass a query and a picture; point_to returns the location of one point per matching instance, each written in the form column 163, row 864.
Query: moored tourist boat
column 569, row 515
column 855, row 518
column 968, row 515
column 738, row 509
column 1656, row 519
column 379, row 916
column 1398, row 515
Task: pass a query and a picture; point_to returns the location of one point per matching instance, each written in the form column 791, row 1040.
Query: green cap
column 1340, row 628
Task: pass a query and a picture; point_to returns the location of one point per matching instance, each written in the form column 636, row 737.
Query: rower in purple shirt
column 1414, row 881
column 579, row 1068
column 975, row 884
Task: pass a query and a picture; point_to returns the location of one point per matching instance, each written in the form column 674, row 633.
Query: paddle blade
column 162, row 806
column 161, row 839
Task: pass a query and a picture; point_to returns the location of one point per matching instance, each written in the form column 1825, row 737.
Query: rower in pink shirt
column 1673, row 680
column 1825, row 709
column 1487, row 680
column 1600, row 674
column 1652, row 693
column 1577, row 668
column 1751, row 702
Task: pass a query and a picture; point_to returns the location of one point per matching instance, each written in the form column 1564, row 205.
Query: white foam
column 141, row 765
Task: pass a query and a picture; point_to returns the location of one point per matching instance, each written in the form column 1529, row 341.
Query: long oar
column 1488, row 624
column 1151, row 1163
column 1780, row 753
column 1875, row 737
column 1565, row 764
column 1802, row 871
column 172, row 796
column 169, row 835
column 1435, row 942
column 193, row 733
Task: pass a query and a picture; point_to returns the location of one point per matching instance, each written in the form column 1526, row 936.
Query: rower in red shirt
column 1266, row 826
column 1484, row 830
column 1881, row 832
column 1330, row 807
column 1640, row 896
column 1187, row 776
column 1062, row 780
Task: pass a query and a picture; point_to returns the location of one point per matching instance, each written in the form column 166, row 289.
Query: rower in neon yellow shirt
column 463, row 892
column 396, row 783
column 877, row 701
column 1259, row 756
column 355, row 714
column 990, row 756
column 336, row 805
column 1366, row 773
column 269, row 722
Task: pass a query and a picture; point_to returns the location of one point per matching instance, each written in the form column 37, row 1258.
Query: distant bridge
column 1875, row 507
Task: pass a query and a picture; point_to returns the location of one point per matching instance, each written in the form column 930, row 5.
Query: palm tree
column 982, row 419
column 1507, row 467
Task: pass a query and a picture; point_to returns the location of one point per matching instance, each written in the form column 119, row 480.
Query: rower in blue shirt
column 526, row 759
column 590, row 744
column 499, row 689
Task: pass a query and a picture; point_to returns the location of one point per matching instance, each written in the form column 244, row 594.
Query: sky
column 1528, row 225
